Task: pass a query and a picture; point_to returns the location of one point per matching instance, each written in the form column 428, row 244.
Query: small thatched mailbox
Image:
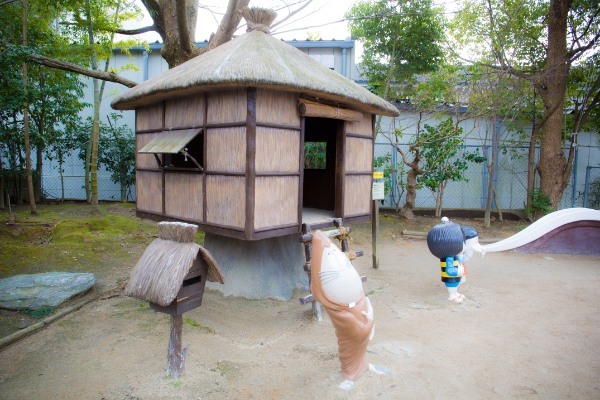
column 171, row 275
column 190, row 292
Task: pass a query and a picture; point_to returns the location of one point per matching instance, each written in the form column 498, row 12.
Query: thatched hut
column 221, row 139
column 248, row 141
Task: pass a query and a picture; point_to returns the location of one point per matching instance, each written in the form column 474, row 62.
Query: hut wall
column 185, row 112
column 277, row 108
column 149, row 191
column 276, row 201
column 149, row 184
column 276, row 161
column 226, row 149
column 277, row 151
column 359, row 154
column 226, row 201
column 363, row 128
column 145, row 161
column 358, row 167
column 184, row 196
column 227, row 107
column 357, row 195
column 149, row 118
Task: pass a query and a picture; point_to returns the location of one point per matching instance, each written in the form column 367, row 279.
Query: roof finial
column 259, row 19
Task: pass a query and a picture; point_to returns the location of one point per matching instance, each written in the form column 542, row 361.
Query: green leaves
column 443, row 155
column 399, row 38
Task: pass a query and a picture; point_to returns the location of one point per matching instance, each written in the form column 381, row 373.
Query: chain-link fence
column 71, row 184
column 591, row 194
column 510, row 182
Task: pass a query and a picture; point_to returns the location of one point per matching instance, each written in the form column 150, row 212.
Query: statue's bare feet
column 378, row 369
column 457, row 298
column 346, row 385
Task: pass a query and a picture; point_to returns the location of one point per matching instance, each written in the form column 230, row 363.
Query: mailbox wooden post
column 171, row 275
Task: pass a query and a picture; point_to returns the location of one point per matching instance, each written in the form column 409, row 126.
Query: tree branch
column 149, row 28
column 182, row 25
column 78, row 69
column 228, row 24
column 153, row 7
column 577, row 52
column 292, row 13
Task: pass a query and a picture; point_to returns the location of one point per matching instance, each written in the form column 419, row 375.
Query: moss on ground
column 71, row 238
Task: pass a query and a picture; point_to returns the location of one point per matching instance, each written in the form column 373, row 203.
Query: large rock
column 262, row 269
column 42, row 290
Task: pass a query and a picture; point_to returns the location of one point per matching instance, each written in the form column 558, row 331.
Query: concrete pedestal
column 263, row 269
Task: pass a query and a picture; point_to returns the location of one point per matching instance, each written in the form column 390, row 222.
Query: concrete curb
column 5, row 341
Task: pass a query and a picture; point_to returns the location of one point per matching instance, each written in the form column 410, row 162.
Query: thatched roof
column 255, row 59
column 158, row 275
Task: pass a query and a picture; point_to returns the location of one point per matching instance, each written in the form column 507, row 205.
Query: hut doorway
column 322, row 137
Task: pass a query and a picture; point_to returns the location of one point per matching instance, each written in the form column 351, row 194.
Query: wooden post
column 374, row 232
column 378, row 193
column 176, row 356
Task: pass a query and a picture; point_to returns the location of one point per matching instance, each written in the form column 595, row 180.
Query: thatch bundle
column 158, row 275
column 259, row 18
column 309, row 108
column 177, row 231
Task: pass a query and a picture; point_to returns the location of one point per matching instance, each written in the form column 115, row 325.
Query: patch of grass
column 195, row 324
column 226, row 368
column 38, row 313
column 69, row 237
column 177, row 383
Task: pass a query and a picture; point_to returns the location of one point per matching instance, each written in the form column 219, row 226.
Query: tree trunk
column 94, row 140
column 95, row 134
column 30, row 191
column 62, row 179
column 531, row 167
column 179, row 43
column 439, row 200
column 2, row 194
column 38, row 174
column 491, row 174
column 552, row 159
column 175, row 22
column 411, row 190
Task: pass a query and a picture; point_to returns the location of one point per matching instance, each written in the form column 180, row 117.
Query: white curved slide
column 543, row 226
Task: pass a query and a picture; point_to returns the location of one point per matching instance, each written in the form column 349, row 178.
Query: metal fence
column 73, row 188
column 510, row 182
column 591, row 194
column 71, row 185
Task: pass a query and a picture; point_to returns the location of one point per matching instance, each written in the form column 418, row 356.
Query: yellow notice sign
column 378, row 175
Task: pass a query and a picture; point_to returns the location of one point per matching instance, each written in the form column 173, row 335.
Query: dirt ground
column 529, row 329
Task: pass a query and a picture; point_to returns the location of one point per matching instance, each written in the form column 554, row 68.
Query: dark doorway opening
column 321, row 137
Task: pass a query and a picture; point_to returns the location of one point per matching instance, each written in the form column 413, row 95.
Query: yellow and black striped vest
column 445, row 276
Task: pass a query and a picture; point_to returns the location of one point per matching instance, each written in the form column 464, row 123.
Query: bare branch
column 145, row 29
column 154, row 9
column 182, row 25
column 577, row 52
column 292, row 13
column 228, row 24
column 78, row 69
